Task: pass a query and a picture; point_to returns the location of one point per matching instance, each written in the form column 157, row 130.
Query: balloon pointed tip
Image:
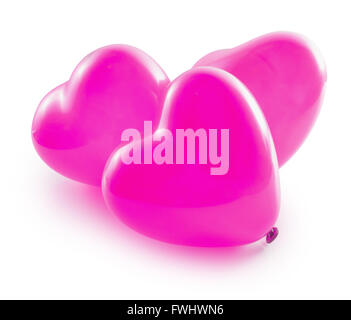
column 272, row 235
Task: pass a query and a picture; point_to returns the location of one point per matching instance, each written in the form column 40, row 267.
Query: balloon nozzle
column 272, row 235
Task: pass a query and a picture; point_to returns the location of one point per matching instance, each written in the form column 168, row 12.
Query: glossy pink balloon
column 184, row 203
column 78, row 124
column 286, row 74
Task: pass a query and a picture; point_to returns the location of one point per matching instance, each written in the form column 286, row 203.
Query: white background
column 57, row 238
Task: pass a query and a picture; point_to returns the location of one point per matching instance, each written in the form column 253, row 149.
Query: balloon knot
column 272, row 235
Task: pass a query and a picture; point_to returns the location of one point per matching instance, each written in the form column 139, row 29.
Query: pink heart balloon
column 286, row 74
column 233, row 202
column 78, row 124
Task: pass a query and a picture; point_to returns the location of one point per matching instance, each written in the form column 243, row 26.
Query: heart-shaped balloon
column 78, row 124
column 217, row 187
column 286, row 74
